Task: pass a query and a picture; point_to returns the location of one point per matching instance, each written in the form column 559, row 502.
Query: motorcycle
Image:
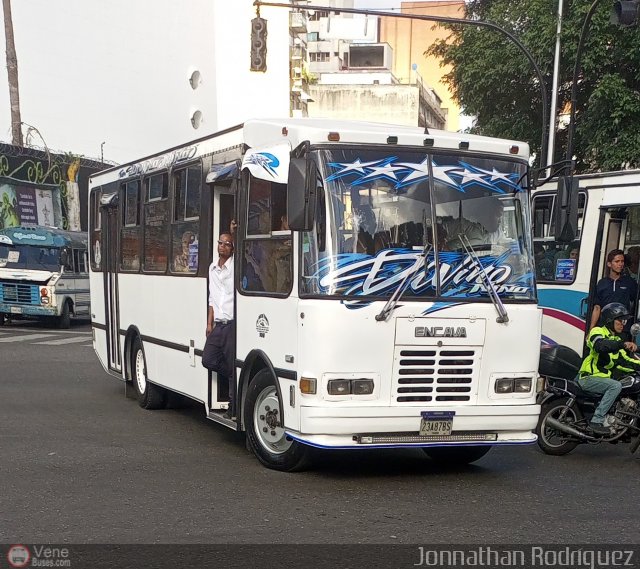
column 566, row 408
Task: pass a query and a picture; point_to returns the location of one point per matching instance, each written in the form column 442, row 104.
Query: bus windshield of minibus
column 436, row 219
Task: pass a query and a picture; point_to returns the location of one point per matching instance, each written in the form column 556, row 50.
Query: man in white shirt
column 219, row 349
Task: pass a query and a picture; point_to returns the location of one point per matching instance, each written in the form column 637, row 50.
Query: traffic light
column 625, row 13
column 259, row 44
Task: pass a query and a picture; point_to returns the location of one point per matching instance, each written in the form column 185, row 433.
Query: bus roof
column 257, row 133
column 43, row 236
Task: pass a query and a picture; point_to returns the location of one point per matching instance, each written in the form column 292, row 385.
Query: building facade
column 353, row 74
column 411, row 38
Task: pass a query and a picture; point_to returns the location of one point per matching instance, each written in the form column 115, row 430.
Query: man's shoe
column 229, row 416
column 599, row 429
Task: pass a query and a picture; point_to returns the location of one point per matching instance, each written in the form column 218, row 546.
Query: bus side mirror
column 64, row 257
column 301, row 194
column 566, row 210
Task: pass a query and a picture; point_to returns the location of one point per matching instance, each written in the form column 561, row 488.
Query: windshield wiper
column 503, row 317
column 395, row 297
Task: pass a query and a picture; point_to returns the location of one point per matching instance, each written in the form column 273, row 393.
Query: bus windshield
column 436, row 219
column 33, row 257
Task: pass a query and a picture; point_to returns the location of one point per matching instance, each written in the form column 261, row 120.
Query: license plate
column 16, row 310
column 436, row 423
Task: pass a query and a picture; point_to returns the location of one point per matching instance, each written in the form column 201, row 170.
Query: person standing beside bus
column 615, row 287
column 219, row 349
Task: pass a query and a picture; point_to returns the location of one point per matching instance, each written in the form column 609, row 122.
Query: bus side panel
column 98, row 316
column 170, row 313
column 270, row 324
column 563, row 305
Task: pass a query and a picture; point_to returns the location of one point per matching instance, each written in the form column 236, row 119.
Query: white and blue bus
column 43, row 274
column 385, row 287
column 607, row 217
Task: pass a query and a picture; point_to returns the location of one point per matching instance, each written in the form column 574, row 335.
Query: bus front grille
column 11, row 293
column 435, row 375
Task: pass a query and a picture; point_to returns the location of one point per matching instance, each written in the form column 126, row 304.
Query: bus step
column 217, row 417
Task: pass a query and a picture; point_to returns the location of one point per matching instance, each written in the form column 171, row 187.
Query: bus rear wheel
column 456, row 456
column 150, row 396
column 64, row 320
column 266, row 436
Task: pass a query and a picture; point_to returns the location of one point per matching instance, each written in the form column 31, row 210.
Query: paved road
column 24, row 331
column 83, row 464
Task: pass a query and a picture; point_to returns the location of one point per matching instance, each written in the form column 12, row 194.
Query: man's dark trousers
column 219, row 355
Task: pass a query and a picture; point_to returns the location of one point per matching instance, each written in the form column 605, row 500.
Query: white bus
column 608, row 217
column 43, row 274
column 380, row 301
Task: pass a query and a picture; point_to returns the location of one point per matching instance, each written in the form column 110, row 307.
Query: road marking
column 73, row 340
column 25, row 337
column 61, row 342
column 54, row 332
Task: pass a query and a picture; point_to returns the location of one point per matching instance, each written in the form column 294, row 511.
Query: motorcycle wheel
column 550, row 440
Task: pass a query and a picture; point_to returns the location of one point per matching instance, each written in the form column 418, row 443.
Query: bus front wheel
column 150, row 396
column 456, row 456
column 266, row 436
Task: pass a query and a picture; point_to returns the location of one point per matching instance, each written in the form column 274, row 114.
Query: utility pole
column 553, row 120
column 12, row 72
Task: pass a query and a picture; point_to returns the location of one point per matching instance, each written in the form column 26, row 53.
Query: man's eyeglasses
column 225, row 243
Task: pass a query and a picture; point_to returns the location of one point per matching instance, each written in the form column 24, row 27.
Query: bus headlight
column 522, row 385
column 350, row 386
column 504, row 385
column 362, row 386
column 513, row 385
column 339, row 387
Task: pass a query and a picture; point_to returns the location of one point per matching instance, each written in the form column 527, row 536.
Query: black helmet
column 614, row 311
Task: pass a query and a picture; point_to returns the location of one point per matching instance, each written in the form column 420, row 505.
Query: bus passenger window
column 266, row 266
column 266, row 258
column 156, row 216
column 130, row 231
column 185, row 227
column 95, row 231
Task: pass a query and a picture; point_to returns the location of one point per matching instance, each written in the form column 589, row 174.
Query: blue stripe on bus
column 562, row 299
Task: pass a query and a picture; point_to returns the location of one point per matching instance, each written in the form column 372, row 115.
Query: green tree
column 492, row 80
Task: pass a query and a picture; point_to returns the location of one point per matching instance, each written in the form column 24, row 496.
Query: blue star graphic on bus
column 266, row 160
column 349, row 167
column 510, row 180
column 366, row 171
column 402, row 174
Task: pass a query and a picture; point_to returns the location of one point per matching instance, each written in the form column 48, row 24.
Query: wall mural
column 23, row 199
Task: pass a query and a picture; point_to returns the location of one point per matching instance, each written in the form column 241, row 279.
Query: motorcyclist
column 608, row 360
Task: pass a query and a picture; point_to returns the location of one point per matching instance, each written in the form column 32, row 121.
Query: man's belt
column 223, row 322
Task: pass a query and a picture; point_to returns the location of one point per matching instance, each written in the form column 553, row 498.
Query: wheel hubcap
column 267, row 420
column 141, row 372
